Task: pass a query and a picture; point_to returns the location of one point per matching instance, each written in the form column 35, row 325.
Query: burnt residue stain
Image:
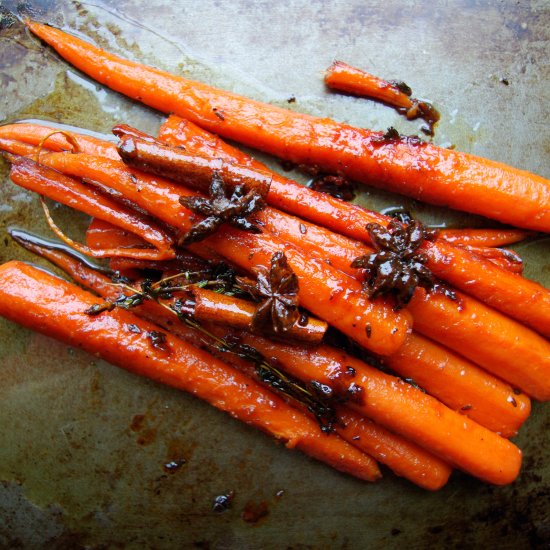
column 146, row 434
column 253, row 512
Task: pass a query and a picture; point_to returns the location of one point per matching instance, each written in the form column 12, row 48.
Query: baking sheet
column 84, row 444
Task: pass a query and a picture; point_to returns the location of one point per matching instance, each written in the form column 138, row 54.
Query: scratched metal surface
column 83, row 444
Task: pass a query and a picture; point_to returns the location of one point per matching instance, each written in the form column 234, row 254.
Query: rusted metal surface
column 88, row 451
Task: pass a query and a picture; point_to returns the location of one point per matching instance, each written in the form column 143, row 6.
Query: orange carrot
column 209, row 306
column 421, row 170
column 70, row 192
column 40, row 301
column 343, row 77
column 101, row 234
column 403, row 457
column 511, row 294
column 483, row 237
column 55, row 139
column 326, row 292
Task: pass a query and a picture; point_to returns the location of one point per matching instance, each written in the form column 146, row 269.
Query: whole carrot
column 40, row 301
column 507, row 292
column 326, row 292
column 403, row 457
column 421, row 170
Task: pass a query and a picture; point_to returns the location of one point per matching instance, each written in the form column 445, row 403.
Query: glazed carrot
column 461, row 385
column 507, row 292
column 403, row 457
column 343, row 77
column 55, row 139
column 401, row 408
column 421, row 170
column 70, row 192
column 209, row 306
column 40, row 301
column 483, row 237
column 325, row 291
column 101, row 234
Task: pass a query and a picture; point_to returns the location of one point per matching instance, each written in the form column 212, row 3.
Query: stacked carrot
column 478, row 350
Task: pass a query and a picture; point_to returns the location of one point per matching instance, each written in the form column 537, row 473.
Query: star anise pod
column 396, row 268
column 222, row 207
column 277, row 292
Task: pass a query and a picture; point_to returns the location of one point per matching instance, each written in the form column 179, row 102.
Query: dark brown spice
column 96, row 309
column 277, row 291
column 303, row 229
column 368, row 330
column 466, row 408
column 157, row 338
column 291, row 99
column 223, row 206
column 219, row 113
column 396, row 268
column 134, row 328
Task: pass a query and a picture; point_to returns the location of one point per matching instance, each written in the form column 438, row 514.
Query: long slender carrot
column 502, row 350
column 483, row 237
column 343, row 77
column 421, row 170
column 70, row 192
column 515, row 296
column 55, row 139
column 403, row 457
column 511, row 294
column 325, row 291
column 43, row 302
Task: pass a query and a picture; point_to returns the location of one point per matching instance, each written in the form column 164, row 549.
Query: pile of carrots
column 448, row 378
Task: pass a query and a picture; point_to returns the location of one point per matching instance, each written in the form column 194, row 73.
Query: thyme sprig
column 319, row 404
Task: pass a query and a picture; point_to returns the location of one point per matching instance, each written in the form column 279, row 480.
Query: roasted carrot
column 507, row 292
column 401, row 408
column 209, row 306
column 343, row 77
column 421, row 170
column 403, row 457
column 42, row 302
column 325, row 291
column 57, row 139
column 483, row 237
column 70, row 192
column 101, row 234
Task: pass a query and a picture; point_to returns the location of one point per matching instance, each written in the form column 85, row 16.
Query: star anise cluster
column 277, row 292
column 396, row 268
column 223, row 206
